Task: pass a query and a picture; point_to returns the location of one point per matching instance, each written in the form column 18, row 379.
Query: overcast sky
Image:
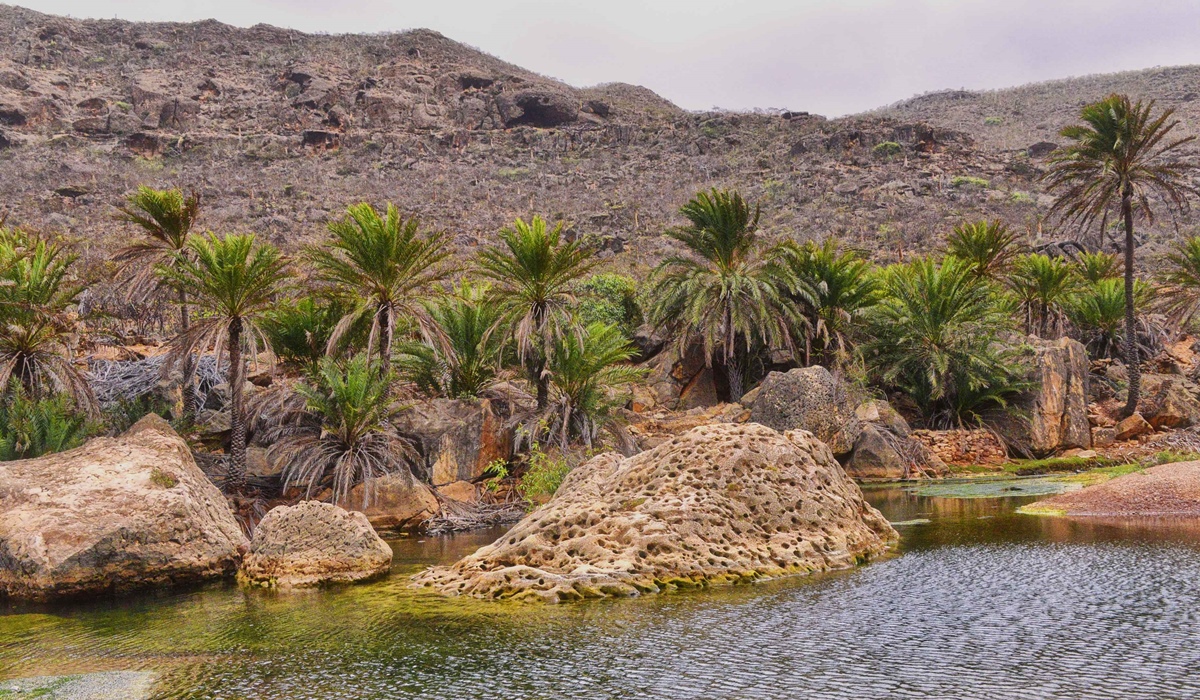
column 832, row 57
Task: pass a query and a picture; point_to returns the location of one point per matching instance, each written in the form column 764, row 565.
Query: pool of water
column 978, row 602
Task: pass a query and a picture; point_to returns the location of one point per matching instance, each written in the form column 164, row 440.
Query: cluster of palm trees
column 380, row 303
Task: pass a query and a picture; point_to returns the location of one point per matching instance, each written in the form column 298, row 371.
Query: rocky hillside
column 279, row 130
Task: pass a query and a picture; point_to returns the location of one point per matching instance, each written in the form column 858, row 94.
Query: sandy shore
column 1168, row 489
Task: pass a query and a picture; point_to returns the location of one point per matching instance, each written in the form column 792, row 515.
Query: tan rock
column 463, row 491
column 458, row 439
column 399, row 501
column 114, row 514
column 718, row 504
column 809, row 399
column 1132, row 427
column 311, row 544
column 1169, row 401
column 1103, row 437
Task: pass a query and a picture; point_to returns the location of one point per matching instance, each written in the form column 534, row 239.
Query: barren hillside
column 280, row 130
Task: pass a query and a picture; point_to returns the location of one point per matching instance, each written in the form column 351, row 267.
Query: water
column 978, row 603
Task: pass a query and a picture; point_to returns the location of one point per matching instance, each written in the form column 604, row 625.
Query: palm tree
column 987, row 246
column 233, row 282
column 533, row 275
column 842, row 287
column 730, row 290
column 1093, row 267
column 1098, row 311
column 1179, row 295
column 588, row 371
column 166, row 218
column 384, row 269
column 299, row 330
column 1115, row 161
column 343, row 432
column 1043, row 287
column 935, row 337
column 473, row 351
column 36, row 290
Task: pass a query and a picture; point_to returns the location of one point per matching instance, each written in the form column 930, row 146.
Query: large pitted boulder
column 717, row 504
column 311, row 544
column 457, row 439
column 114, row 514
column 1056, row 407
column 809, row 399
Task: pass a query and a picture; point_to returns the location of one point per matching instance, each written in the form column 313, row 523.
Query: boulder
column 1055, row 411
column 537, row 107
column 717, row 504
column 114, row 514
column 680, row 383
column 457, row 439
column 312, row 544
column 881, row 413
column 812, row 399
column 1132, row 427
column 1169, row 401
column 880, row 455
column 399, row 501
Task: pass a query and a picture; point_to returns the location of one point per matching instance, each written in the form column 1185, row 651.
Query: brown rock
column 1132, row 427
column 463, row 491
column 718, row 504
column 1103, row 437
column 114, row 514
column 1054, row 414
column 311, row 544
column 457, row 439
column 963, row 447
column 399, row 501
column 1169, row 401
column 809, row 399
column 880, row 455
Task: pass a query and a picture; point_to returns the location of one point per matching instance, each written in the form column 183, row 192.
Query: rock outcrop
column 809, row 399
column 400, row 502
column 717, row 504
column 457, row 439
column 1169, row 401
column 312, row 544
column 114, row 514
column 1053, row 415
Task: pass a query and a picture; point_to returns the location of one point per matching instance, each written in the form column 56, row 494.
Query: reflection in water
column 983, row 603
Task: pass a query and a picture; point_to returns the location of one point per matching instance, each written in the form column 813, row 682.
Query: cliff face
column 279, row 130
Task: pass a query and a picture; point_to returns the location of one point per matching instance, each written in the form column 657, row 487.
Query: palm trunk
column 191, row 397
column 733, row 372
column 236, row 474
column 1132, row 363
column 538, row 370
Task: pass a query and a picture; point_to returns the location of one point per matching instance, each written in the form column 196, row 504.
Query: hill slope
column 279, row 130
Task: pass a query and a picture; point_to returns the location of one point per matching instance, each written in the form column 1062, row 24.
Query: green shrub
column 612, row 299
column 887, row 149
column 959, row 181
column 299, row 331
column 32, row 428
column 993, row 121
column 543, row 475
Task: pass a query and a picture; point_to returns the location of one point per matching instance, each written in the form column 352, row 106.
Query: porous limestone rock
column 812, row 399
column 114, row 514
column 717, row 504
column 311, row 544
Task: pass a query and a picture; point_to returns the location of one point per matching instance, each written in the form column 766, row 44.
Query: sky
column 830, row 57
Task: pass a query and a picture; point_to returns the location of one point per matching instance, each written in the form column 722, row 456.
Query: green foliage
column 1098, row 311
column 299, row 331
column 1093, row 267
column 543, row 475
column 343, row 434
column 1179, row 296
column 158, row 477
column 887, row 149
column 533, row 273
column 842, row 286
column 993, row 121
column 1043, row 287
column 731, row 291
column 381, row 268
column 961, row 181
column 122, row 416
column 589, row 374
column 609, row 298
column 469, row 352
column 987, row 247
column 935, row 336
column 37, row 288
column 35, row 427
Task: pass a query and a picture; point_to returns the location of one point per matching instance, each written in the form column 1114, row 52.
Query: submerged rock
column 114, row 514
column 717, row 504
column 311, row 544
